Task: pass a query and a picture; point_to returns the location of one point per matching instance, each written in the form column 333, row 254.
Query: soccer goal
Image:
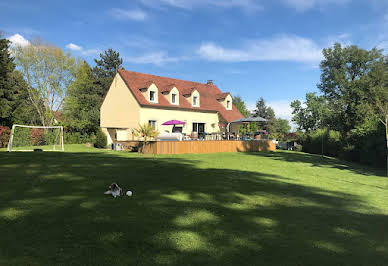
column 30, row 138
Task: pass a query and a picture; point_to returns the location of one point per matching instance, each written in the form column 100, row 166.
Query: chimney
column 209, row 82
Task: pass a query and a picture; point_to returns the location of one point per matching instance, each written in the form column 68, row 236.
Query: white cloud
column 303, row 5
column 190, row 4
column 281, row 48
column 18, row 39
column 81, row 50
column 156, row 58
column 122, row 14
column 74, row 47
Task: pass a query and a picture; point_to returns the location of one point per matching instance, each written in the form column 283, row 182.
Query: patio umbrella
column 173, row 122
column 250, row 119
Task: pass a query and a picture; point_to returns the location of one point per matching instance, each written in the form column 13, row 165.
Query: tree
column 14, row 104
column 48, row 71
column 281, row 126
column 106, row 68
column 7, row 96
column 378, row 96
column 314, row 115
column 82, row 104
column 266, row 112
column 240, row 105
column 344, row 83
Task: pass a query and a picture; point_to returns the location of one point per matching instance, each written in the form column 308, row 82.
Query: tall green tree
column 82, row 104
column 105, row 69
column 311, row 115
column 14, row 103
column 377, row 96
column 281, row 126
column 240, row 105
column 266, row 112
column 48, row 71
column 7, row 96
column 344, row 82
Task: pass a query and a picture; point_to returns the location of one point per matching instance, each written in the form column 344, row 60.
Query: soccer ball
column 129, row 193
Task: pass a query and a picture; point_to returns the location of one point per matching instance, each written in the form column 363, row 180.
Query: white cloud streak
column 156, row 58
column 18, row 39
column 303, row 5
column 133, row 14
column 281, row 48
column 74, row 47
column 191, row 4
column 81, row 50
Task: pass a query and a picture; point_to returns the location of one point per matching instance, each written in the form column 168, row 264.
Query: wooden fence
column 207, row 146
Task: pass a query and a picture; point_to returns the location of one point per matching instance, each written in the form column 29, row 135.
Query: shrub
column 324, row 141
column 100, row 140
column 5, row 132
column 78, row 138
column 37, row 137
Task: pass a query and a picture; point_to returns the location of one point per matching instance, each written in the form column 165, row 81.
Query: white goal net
column 30, row 138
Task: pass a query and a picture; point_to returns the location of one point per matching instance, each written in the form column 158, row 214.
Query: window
column 152, row 123
column 199, row 127
column 173, row 98
column 195, row 100
column 152, row 96
column 227, row 104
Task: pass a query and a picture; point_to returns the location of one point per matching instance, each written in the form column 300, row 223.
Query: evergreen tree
column 7, row 96
column 264, row 111
column 106, row 68
column 82, row 105
column 15, row 106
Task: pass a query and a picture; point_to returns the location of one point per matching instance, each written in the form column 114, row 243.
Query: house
column 136, row 98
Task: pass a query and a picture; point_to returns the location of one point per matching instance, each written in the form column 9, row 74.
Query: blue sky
column 252, row 48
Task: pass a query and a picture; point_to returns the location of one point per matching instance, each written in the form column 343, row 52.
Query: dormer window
column 173, row 98
column 152, row 96
column 195, row 100
column 228, row 104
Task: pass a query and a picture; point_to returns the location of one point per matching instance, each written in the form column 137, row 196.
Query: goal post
column 29, row 138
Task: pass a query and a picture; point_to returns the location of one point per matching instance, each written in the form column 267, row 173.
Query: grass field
column 279, row 208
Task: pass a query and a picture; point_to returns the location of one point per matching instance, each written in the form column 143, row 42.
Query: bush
column 37, row 137
column 100, row 140
column 323, row 141
column 78, row 138
column 5, row 132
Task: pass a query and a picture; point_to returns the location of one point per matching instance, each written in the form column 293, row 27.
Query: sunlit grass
column 276, row 208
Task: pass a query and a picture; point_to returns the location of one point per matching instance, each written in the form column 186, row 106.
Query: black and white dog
column 114, row 190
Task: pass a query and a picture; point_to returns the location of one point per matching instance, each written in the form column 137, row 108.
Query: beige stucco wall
column 161, row 116
column 119, row 109
column 224, row 102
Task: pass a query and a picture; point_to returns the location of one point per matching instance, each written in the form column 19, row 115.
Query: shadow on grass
column 319, row 161
column 53, row 212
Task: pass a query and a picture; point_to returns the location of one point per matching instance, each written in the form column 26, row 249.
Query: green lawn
column 275, row 208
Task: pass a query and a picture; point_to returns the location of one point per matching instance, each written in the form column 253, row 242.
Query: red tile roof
column 222, row 96
column 209, row 93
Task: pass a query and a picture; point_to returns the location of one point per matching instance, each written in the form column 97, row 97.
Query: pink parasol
column 173, row 122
